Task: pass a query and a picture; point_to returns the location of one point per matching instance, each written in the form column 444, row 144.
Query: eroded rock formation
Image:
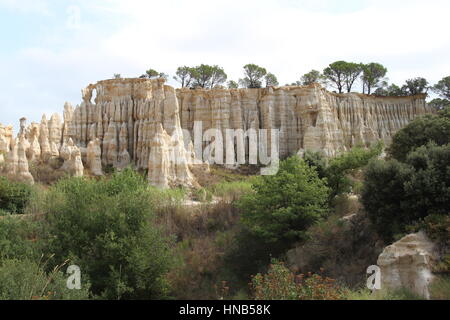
column 308, row 117
column 149, row 125
column 94, row 157
column 5, row 141
column 408, row 263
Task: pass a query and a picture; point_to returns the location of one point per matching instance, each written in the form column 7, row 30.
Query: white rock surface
column 408, row 264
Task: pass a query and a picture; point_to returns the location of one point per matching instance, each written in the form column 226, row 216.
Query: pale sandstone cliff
column 307, row 117
column 137, row 120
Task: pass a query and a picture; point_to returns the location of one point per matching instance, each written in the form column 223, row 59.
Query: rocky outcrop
column 307, row 117
column 23, row 173
column 94, row 157
column 5, row 141
column 408, row 264
column 72, row 159
column 136, row 120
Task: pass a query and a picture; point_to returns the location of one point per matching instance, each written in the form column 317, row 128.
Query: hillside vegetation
column 237, row 237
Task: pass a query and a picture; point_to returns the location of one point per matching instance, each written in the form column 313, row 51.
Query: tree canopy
column 443, row 88
column 284, row 205
column 343, row 74
column 371, row 77
column 254, row 75
column 271, row 80
column 313, row 76
column 435, row 128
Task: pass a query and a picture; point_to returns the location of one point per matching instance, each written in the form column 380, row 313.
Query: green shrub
column 27, row 280
column 340, row 167
column 17, row 239
column 284, row 205
column 14, row 196
column 435, row 128
column 281, row 284
column 397, row 194
column 106, row 227
column 437, row 227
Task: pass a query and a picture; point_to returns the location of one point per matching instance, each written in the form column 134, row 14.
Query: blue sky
column 51, row 49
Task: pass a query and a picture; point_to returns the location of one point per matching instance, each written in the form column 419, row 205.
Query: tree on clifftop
column 206, row 76
column 372, row 75
column 271, row 80
column 185, row 76
column 335, row 72
column 253, row 76
column 232, row 84
column 415, row 86
column 152, row 73
column 442, row 88
column 389, row 91
column 313, row 76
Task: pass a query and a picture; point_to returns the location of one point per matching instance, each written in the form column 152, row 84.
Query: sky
column 51, row 49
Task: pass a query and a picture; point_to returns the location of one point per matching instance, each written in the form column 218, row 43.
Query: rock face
column 308, row 117
column 408, row 263
column 72, row 159
column 137, row 121
column 5, row 141
column 149, row 125
column 94, row 157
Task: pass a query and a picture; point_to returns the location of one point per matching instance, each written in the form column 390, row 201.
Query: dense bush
column 281, row 284
column 397, row 194
column 17, row 239
column 341, row 166
column 434, row 128
column 14, row 196
column 337, row 170
column 284, row 205
column 27, row 280
column 106, row 227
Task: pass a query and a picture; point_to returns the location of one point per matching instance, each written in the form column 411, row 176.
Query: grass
column 366, row 294
column 440, row 288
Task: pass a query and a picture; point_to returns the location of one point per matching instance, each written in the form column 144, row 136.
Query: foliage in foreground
column 14, row 196
column 434, row 128
column 28, row 280
column 106, row 228
column 281, row 284
column 284, row 205
column 397, row 195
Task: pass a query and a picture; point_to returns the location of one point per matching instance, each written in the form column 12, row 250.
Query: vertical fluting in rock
column 12, row 160
column 5, row 141
column 46, row 151
column 123, row 157
column 34, row 151
column 125, row 117
column 159, row 159
column 133, row 121
column 94, row 160
column 23, row 173
column 72, row 158
column 307, row 117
